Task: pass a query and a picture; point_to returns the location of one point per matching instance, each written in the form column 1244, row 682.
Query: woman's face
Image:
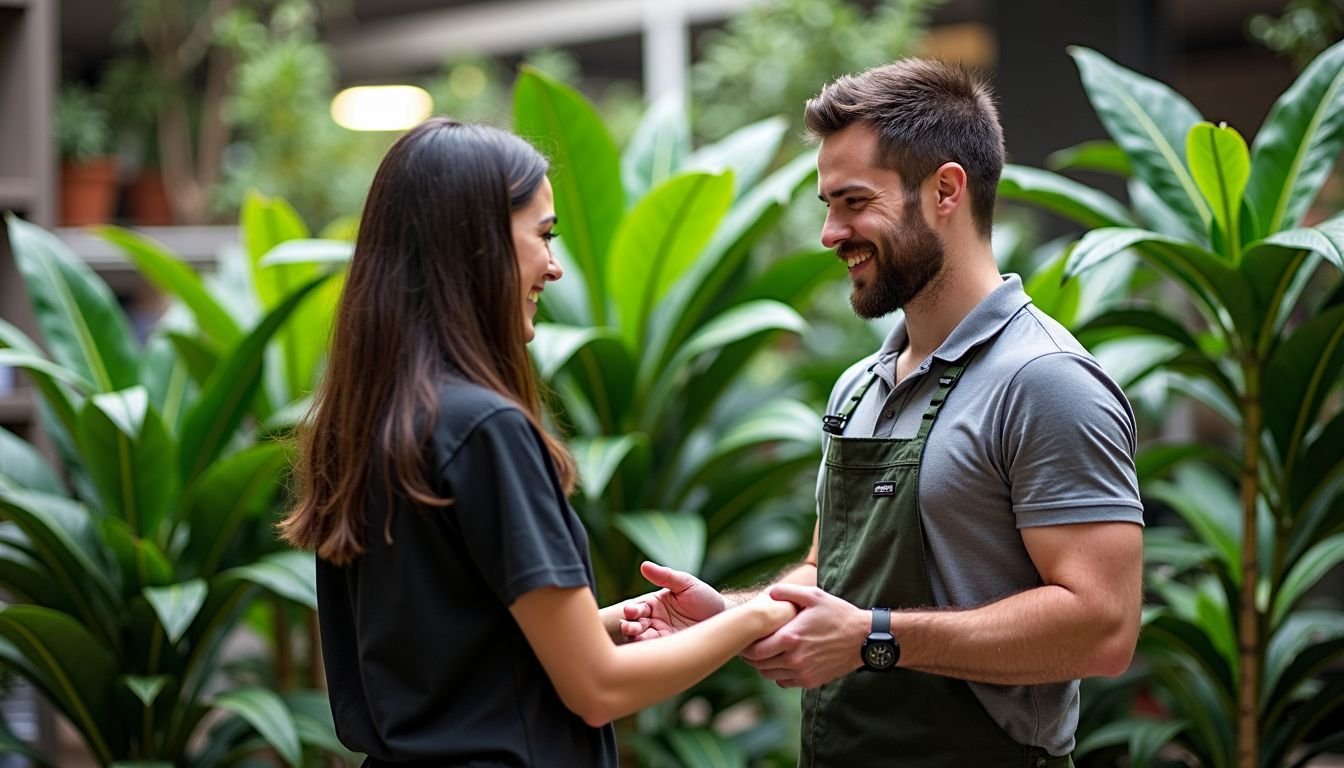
column 533, row 228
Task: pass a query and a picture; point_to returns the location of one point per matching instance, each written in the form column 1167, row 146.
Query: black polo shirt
column 424, row 661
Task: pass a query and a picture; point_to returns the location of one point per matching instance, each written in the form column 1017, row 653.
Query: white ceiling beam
column 420, row 41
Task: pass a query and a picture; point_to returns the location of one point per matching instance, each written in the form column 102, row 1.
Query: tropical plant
column 1236, row 648
column 138, row 557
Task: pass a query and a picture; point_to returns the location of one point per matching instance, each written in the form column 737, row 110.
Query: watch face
column 879, row 655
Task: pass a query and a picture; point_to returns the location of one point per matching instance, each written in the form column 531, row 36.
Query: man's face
column 891, row 252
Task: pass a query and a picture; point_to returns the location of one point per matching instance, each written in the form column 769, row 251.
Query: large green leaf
column 176, row 605
column 140, row 560
column 175, row 278
column 585, row 172
column 1305, row 573
column 776, row 421
column 1325, row 239
column 598, row 361
column 1320, row 465
column 237, row 488
column 63, row 539
column 291, row 575
column 1052, row 294
column 1164, row 633
column 1157, row 459
column 1296, row 650
column 1297, row 146
column 225, row 397
column 1221, row 164
column 1062, row 195
column 674, row 539
column 1142, row 736
column 126, row 447
column 703, row 748
column 1149, row 121
column 658, row 147
column 1301, row 372
column 23, row 465
column 308, row 251
column 1208, row 505
column 265, row 711
column 599, row 459
column 1219, row 289
column 83, row 325
column 747, row 152
column 71, row 666
column 659, row 240
column 791, row 279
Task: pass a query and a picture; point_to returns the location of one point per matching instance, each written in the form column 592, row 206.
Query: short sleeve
column 1068, row 444
column 515, row 521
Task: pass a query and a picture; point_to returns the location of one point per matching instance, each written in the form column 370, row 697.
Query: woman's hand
column 683, row 601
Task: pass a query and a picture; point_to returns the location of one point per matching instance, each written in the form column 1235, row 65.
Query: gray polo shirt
column 1035, row 433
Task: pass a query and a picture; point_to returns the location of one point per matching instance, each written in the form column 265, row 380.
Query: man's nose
column 834, row 232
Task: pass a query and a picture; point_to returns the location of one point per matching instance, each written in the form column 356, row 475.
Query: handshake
column 814, row 636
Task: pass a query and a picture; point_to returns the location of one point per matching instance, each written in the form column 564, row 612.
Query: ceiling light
column 381, row 107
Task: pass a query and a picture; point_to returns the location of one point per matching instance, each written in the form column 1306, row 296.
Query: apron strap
column 835, row 423
column 946, row 382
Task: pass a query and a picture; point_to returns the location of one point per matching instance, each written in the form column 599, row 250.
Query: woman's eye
column 548, row 236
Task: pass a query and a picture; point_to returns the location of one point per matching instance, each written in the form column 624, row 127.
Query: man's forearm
column 803, row 573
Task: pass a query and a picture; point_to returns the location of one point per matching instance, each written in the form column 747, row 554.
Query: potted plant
column 88, row 167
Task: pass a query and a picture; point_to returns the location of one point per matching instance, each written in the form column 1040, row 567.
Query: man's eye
column 854, row 202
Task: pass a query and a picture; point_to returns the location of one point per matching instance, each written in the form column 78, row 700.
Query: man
column 978, row 547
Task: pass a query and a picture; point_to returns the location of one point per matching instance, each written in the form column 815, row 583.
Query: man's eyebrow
column 842, row 191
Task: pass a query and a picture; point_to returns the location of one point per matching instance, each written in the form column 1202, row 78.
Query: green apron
column 872, row 553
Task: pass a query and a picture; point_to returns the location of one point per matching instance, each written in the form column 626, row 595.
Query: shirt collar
column 980, row 325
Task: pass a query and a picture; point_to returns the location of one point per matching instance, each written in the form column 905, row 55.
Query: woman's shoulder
column 465, row 407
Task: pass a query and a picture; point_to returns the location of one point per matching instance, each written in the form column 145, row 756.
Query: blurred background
column 170, row 117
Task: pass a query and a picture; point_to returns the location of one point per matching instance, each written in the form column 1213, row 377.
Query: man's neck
column 932, row 316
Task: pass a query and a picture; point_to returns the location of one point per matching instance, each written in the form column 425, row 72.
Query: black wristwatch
column 880, row 649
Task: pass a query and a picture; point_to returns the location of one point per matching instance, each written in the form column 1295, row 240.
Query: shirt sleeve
column 1068, row 444
column 514, row 518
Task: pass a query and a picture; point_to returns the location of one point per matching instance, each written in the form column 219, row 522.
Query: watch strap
column 881, row 619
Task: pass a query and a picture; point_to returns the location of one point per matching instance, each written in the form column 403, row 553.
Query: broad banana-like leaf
column 598, row 361
column 747, row 152
column 176, row 605
column 126, row 447
column 81, row 321
column 72, row 667
column 1062, row 195
column 1297, row 146
column 233, row 490
column 265, row 711
column 585, row 172
column 791, row 280
column 658, row 241
column 1052, row 294
column 1220, row 164
column 658, row 147
column 599, row 459
column 777, row 421
column 174, row 277
column 1149, row 121
column 674, row 539
column 225, row 397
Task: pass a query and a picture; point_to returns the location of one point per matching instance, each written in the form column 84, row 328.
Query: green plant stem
column 1249, row 619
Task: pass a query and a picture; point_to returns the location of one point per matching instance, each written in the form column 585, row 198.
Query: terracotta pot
column 88, row 191
column 147, row 200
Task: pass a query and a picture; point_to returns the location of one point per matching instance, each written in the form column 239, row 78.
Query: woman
column 455, row 596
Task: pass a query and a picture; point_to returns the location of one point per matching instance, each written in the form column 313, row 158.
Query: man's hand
column 819, row 645
column 682, row 602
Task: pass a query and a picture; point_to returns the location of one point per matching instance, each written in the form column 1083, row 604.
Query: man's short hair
column 925, row 113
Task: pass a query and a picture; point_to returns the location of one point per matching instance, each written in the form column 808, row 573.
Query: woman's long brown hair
column 432, row 290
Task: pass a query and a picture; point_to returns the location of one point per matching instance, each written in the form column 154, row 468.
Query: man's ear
column 950, row 179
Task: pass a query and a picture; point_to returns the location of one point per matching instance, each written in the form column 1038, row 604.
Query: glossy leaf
column 200, row 357
column 585, row 171
column 1100, row 156
column 1320, row 461
column 71, row 666
column 792, row 279
column 176, row 605
column 674, row 539
column 1142, row 736
column 597, row 360
column 234, row 489
column 1207, row 503
column 1305, row 573
column 225, row 397
column 1149, row 121
column 145, row 688
column 174, row 277
column 747, row 152
column 1062, row 195
column 291, row 575
column 81, row 321
column 1052, row 295
column 141, row 562
column 1220, row 164
column 308, row 251
column 703, row 748
column 1325, row 239
column 1296, row 650
column 658, row 147
column 23, row 465
column 658, row 241
column 1302, row 371
column 125, row 447
column 265, row 711
column 599, row 458
column 1298, row 144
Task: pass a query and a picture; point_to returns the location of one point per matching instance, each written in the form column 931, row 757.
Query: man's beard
column 905, row 261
